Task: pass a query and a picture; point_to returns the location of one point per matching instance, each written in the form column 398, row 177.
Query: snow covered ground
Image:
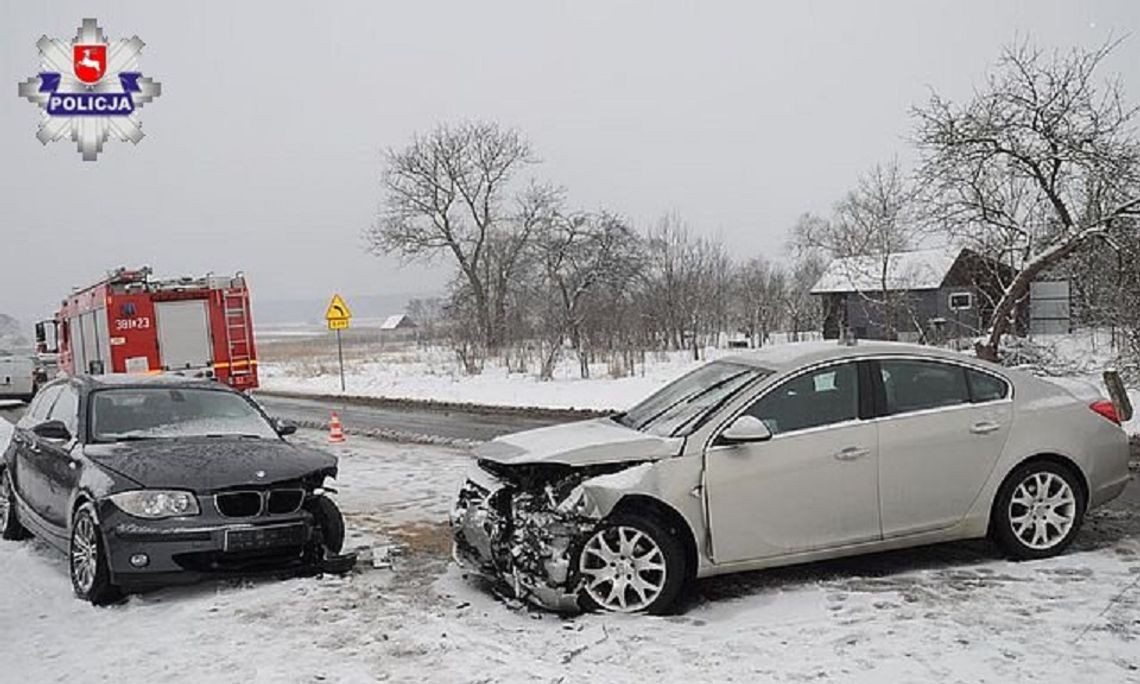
column 435, row 375
column 950, row 613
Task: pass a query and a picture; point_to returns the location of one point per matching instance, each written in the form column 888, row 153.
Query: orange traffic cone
column 336, row 430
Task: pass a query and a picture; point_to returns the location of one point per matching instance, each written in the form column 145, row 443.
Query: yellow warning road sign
column 338, row 314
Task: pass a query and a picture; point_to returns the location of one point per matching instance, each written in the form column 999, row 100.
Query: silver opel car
column 801, row 453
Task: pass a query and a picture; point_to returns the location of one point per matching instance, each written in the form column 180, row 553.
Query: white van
column 17, row 377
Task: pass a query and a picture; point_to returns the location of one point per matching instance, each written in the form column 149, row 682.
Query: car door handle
column 851, row 453
column 984, row 427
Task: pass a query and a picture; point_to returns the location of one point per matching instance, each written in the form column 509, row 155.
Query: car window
column 919, row 385
column 986, row 387
column 66, row 409
column 823, row 397
column 41, row 405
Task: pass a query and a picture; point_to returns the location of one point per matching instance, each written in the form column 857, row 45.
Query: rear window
column 986, row 387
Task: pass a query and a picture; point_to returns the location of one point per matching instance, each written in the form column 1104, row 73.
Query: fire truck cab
column 131, row 323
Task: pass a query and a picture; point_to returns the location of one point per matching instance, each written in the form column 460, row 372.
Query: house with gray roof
column 926, row 295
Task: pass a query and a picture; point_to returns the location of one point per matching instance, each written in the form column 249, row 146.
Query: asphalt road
column 448, row 423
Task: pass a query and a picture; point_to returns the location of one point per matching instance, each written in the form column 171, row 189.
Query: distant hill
column 11, row 336
column 313, row 310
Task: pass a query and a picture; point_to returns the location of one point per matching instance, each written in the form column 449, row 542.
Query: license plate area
column 259, row 538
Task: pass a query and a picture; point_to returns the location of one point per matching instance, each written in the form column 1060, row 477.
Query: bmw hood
column 209, row 464
column 589, row 442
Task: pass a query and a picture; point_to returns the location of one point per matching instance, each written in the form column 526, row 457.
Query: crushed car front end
column 521, row 526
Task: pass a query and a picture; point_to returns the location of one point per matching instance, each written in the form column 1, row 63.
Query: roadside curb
column 443, row 406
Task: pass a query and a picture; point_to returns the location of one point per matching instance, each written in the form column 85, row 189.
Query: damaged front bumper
column 523, row 537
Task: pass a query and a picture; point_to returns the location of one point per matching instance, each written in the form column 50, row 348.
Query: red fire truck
column 131, row 323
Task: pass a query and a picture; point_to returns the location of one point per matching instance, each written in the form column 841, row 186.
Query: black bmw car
column 147, row 481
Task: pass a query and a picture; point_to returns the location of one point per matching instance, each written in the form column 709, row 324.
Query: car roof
column 135, row 380
column 797, row 354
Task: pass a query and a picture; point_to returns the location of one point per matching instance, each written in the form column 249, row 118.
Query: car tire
column 631, row 563
column 1038, row 510
column 87, row 560
column 10, row 527
column 330, row 522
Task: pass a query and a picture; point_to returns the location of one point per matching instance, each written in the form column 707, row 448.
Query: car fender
column 1056, row 432
column 671, row 483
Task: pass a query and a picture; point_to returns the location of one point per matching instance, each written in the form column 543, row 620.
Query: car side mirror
column 53, row 430
column 746, row 429
column 284, row 427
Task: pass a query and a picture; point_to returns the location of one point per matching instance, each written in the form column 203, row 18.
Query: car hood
column 210, row 463
column 589, row 442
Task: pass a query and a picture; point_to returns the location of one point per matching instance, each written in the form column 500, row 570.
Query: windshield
column 161, row 412
column 679, row 407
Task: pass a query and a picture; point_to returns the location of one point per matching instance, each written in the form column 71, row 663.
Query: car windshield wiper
column 128, row 438
column 242, row 435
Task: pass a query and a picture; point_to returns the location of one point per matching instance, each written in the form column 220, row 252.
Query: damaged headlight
column 156, row 503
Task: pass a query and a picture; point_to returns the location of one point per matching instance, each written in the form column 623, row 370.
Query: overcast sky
column 264, row 150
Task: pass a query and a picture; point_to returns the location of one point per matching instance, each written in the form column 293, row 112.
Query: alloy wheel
column 1043, row 510
column 624, row 569
column 84, row 554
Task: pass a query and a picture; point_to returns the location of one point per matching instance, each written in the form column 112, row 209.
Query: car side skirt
column 968, row 528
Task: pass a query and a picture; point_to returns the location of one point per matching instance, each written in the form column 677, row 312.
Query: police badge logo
column 90, row 92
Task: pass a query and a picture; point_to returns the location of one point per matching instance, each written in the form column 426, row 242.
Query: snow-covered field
column 951, row 613
column 434, row 375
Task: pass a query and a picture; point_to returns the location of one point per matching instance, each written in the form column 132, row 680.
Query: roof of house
column 923, row 269
column 397, row 321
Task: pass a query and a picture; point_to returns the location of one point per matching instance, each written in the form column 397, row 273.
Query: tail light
column 1107, row 409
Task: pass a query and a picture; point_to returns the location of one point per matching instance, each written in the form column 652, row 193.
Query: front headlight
column 156, row 503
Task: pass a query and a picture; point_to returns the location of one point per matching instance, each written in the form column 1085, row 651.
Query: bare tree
column 757, row 299
column 1042, row 160
column 445, row 193
column 685, row 278
column 579, row 254
column 803, row 313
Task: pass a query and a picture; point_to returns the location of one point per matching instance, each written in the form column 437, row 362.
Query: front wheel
column 1038, row 510
column 329, row 522
column 90, row 576
column 631, row 563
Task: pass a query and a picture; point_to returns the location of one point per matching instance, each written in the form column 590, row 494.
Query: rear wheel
column 10, row 527
column 630, row 564
column 90, row 576
column 1039, row 510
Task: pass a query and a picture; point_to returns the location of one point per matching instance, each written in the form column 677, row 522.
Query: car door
column 812, row 485
column 60, row 468
column 30, row 480
column 938, row 441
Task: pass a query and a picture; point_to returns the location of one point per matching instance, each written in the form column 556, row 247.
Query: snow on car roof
column 922, row 269
column 138, row 379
